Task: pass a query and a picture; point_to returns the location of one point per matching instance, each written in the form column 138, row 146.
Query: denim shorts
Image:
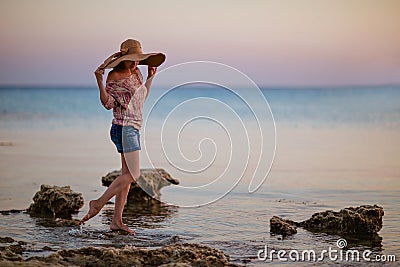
column 125, row 138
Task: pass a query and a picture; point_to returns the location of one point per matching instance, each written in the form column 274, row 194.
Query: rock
column 50, row 222
column 6, row 143
column 6, row 240
column 8, row 212
column 7, row 257
column 10, row 253
column 362, row 220
column 171, row 255
column 47, row 248
column 67, row 223
column 55, row 202
column 17, row 249
column 282, row 227
column 147, row 187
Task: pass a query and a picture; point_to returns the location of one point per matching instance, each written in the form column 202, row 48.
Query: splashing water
column 75, row 232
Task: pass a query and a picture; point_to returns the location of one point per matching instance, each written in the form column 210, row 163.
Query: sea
column 242, row 156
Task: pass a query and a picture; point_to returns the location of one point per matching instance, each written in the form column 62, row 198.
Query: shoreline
column 158, row 227
column 170, row 250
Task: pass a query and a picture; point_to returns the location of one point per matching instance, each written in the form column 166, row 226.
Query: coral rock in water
column 365, row 220
column 148, row 185
column 55, row 202
column 362, row 221
column 282, row 227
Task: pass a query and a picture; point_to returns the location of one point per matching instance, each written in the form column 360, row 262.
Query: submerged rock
column 6, row 239
column 147, row 187
column 171, row 255
column 50, row 222
column 364, row 220
column 55, row 202
column 282, row 227
column 8, row 212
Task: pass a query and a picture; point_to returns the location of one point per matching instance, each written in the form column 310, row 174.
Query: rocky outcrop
column 12, row 252
column 147, row 187
column 364, row 220
column 282, row 227
column 55, row 202
column 171, row 255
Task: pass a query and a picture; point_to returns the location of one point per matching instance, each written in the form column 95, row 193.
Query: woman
column 125, row 94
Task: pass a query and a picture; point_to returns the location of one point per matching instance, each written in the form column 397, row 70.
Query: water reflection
column 148, row 215
column 372, row 242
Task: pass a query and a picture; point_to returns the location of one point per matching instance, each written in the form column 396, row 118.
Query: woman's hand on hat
column 151, row 71
column 99, row 72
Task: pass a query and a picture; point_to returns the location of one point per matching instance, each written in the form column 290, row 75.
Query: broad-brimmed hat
column 132, row 50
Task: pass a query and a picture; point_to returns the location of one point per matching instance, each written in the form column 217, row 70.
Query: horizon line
column 263, row 86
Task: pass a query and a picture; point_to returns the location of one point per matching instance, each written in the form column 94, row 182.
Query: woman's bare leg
column 120, row 201
column 118, row 185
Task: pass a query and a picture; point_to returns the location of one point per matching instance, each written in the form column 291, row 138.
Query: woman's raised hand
column 151, row 71
column 99, row 72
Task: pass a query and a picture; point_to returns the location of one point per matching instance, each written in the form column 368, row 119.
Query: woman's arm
column 151, row 71
column 105, row 98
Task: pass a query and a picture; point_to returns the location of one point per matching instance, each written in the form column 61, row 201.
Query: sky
column 275, row 43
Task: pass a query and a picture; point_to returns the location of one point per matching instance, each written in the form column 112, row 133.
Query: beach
column 335, row 148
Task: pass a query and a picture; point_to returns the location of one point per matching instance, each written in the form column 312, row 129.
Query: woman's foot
column 121, row 227
column 93, row 210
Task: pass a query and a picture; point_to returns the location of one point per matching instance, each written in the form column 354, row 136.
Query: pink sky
column 285, row 42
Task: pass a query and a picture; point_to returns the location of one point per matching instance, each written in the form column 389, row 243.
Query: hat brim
column 150, row 59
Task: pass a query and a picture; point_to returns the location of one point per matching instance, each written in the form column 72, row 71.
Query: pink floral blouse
column 126, row 98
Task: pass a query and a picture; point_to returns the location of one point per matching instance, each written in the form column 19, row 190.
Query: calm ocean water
column 359, row 106
column 335, row 147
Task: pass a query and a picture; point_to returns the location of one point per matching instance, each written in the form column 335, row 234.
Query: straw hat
column 132, row 50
